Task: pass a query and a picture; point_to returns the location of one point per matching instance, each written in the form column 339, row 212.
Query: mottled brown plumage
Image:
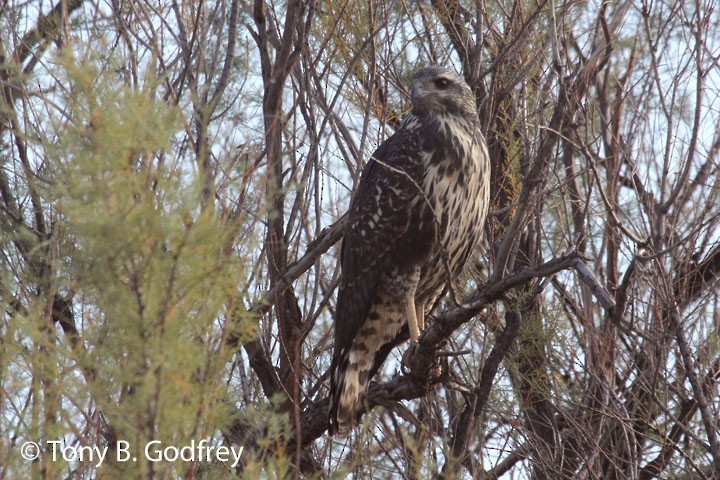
column 414, row 221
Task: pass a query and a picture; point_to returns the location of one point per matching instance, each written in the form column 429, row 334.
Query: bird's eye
column 442, row 83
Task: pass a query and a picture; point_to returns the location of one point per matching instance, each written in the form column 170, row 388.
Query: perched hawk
column 415, row 219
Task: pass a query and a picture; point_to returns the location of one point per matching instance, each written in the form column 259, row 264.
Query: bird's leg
column 420, row 317
column 416, row 323
column 411, row 313
column 415, row 317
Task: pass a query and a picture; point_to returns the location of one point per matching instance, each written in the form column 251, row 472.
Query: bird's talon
column 406, row 363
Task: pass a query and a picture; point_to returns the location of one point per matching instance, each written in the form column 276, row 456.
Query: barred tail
column 354, row 365
column 348, row 385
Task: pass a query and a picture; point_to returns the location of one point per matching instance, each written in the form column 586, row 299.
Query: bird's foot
column 425, row 366
column 406, row 365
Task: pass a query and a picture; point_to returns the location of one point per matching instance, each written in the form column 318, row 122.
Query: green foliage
column 154, row 285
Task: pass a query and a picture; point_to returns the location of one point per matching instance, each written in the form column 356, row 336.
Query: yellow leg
column 413, row 323
column 420, row 317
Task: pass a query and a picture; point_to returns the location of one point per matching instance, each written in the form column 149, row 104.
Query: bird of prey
column 415, row 219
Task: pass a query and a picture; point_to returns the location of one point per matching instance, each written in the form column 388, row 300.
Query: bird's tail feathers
column 347, row 393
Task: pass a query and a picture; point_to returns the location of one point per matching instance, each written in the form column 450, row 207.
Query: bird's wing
column 389, row 225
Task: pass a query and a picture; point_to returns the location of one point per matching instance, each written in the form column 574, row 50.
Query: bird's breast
column 456, row 187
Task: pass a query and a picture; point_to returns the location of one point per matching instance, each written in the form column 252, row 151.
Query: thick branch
column 326, row 239
column 48, row 27
column 259, row 359
column 703, row 275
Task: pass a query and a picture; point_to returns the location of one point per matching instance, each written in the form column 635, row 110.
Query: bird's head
column 439, row 91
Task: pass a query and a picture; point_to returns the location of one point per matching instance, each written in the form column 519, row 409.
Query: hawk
column 416, row 217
